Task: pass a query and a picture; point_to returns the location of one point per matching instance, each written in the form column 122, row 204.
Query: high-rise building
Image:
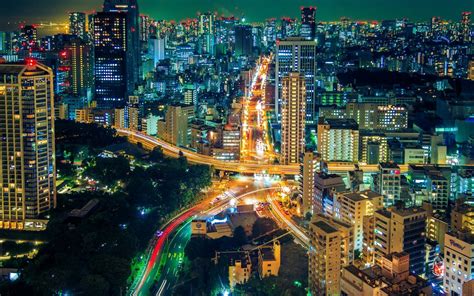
column 129, row 8
column 175, row 126
column 466, row 26
column 310, row 165
column 325, row 188
column 145, row 24
column 308, row 22
column 353, row 207
column 458, row 261
column 387, row 182
column 110, row 55
column 8, row 42
column 270, row 32
column 331, row 249
column 77, row 24
column 28, row 38
column 292, row 119
column 470, row 70
column 27, row 150
column 79, row 54
column 338, row 140
column 296, row 55
column 207, row 23
column 243, row 40
column 401, row 230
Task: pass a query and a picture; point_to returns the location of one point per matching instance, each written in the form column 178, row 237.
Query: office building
column 129, row 8
column 458, row 261
column 466, row 26
column 243, row 40
column 308, row 23
column 77, row 24
column 354, row 207
column 79, row 56
column 372, row 116
column 387, row 182
column 292, row 118
column 207, row 23
column 401, row 230
column 310, row 165
column 338, row 140
column 27, row 149
column 331, row 248
column 325, row 187
column 296, row 55
column 175, row 126
column 110, row 55
column 28, row 38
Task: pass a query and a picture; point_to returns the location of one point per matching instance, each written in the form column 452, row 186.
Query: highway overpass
column 149, row 143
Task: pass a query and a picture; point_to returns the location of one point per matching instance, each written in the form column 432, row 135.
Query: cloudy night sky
column 32, row 11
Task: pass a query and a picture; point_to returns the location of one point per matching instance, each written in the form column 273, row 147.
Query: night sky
column 254, row 10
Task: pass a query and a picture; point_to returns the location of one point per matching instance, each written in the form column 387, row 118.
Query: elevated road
column 149, row 143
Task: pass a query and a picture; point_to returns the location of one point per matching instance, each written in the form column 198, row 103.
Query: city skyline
column 327, row 10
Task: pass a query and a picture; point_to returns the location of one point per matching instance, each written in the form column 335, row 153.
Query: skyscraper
column 308, row 23
column 310, row 165
column 207, row 23
column 243, row 40
column 27, row 148
column 130, row 9
column 79, row 55
column 466, row 26
column 110, row 55
column 293, row 119
column 77, row 24
column 296, row 55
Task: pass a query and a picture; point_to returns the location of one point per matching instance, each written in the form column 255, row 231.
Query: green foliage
column 109, row 170
column 94, row 256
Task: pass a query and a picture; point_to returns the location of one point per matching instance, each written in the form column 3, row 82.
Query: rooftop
column 362, row 195
column 325, row 227
column 342, row 124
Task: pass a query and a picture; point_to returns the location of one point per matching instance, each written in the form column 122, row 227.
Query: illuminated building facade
column 331, row 248
column 77, row 24
column 79, row 55
column 310, row 165
column 387, row 182
column 353, row 207
column 296, row 55
column 401, row 230
column 293, row 118
column 308, row 23
column 338, row 140
column 110, row 55
column 207, row 23
column 129, row 8
column 27, row 151
column 458, row 261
